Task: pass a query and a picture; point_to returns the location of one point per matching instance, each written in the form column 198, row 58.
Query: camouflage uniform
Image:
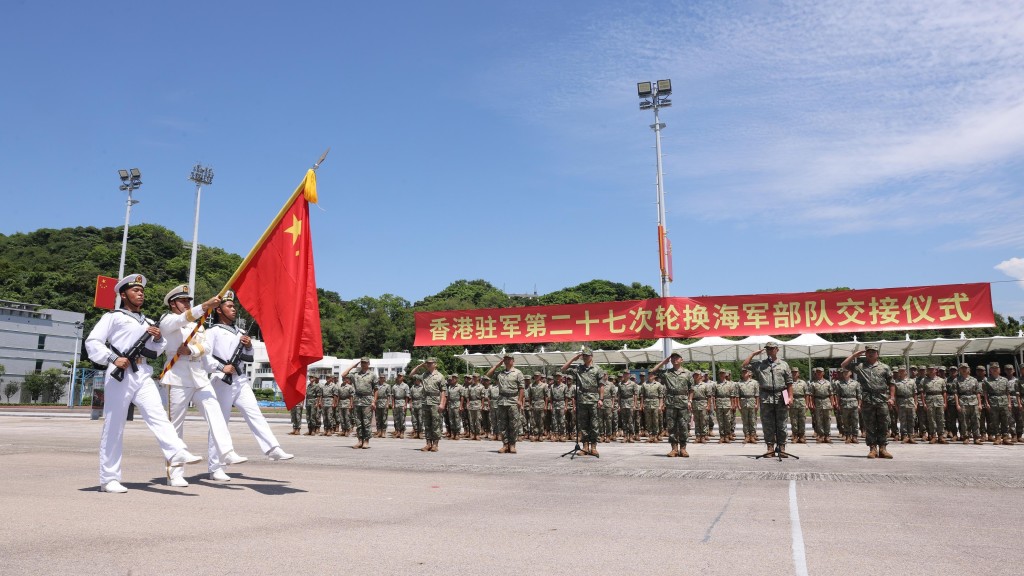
column 364, row 384
column 399, row 398
column 875, row 381
column 967, row 391
column 773, row 377
column 559, row 394
column 455, row 394
column 798, row 409
column 848, row 394
column 381, row 408
column 314, row 407
column 430, row 418
column 933, row 392
column 627, row 404
column 509, row 383
column 608, row 410
column 416, row 405
column 997, row 397
column 701, row 394
column 345, row 394
column 475, row 404
column 821, row 391
column 296, row 414
column 678, row 388
column 725, row 391
column 537, row 396
column 906, row 405
column 652, row 392
column 589, row 379
column 331, row 391
column 748, row 392
column 493, row 396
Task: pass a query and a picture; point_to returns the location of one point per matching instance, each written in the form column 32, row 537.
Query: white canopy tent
column 715, row 349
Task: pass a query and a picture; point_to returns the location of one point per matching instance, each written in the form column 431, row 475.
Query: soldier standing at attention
column 652, row 393
column 724, row 394
column 933, row 396
column 608, row 412
column 922, row 408
column 416, row 406
column 381, row 402
column 1016, row 426
column 878, row 393
column 773, row 377
column 511, row 392
column 949, row 410
column 114, row 335
column 821, row 406
column 906, row 404
column 559, row 395
column 997, row 399
column 296, row 414
column 678, row 386
column 627, row 405
column 798, row 408
column 537, row 395
column 701, row 395
column 467, row 383
column 486, row 416
column 967, row 390
column 399, row 404
column 314, row 405
column 435, row 400
column 748, row 391
column 848, row 396
column 588, row 378
column 474, row 406
column 330, row 406
column 364, row 383
column 454, row 408
column 346, row 397
column 493, row 401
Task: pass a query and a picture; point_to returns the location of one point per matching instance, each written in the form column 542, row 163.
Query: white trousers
column 240, row 394
column 209, row 407
column 140, row 389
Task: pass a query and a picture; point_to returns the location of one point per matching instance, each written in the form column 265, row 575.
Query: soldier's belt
column 934, row 393
column 751, row 396
column 822, row 397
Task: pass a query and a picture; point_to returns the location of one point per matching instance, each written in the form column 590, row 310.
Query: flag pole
column 310, row 178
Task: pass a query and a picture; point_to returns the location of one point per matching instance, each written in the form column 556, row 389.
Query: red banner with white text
column 918, row 308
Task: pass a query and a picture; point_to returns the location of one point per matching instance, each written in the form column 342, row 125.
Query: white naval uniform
column 189, row 382
column 222, row 340
column 121, row 329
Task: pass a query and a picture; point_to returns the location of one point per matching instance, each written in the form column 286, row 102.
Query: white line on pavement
column 799, row 558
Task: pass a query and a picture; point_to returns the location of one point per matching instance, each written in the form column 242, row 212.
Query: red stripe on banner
column 916, row 308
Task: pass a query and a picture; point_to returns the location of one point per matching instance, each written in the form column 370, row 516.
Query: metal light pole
column 200, row 175
column 131, row 180
column 74, row 364
column 654, row 95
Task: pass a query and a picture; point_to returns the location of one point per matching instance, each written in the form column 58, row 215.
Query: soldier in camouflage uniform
column 435, row 397
column 773, row 378
column 493, row 398
column 702, row 392
column 967, row 392
column 399, row 404
column 848, row 396
column 608, row 410
column 798, row 408
column 821, row 406
column 878, row 393
column 416, row 407
column 559, row 395
column 588, row 378
column 678, row 386
column 455, row 399
column 511, row 388
column 365, row 384
column 346, row 396
column 628, row 392
column 981, row 374
column 474, row 406
column 997, row 398
column 748, row 392
column 537, row 396
column 726, row 397
column 486, row 414
column 381, row 403
column 314, row 406
column 1016, row 415
column 652, row 394
column 906, row 404
column 950, row 411
column 933, row 396
column 296, row 414
column 467, row 383
column 331, row 392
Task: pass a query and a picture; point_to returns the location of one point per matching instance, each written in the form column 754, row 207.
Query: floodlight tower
column 654, row 96
column 200, row 175
column 131, row 180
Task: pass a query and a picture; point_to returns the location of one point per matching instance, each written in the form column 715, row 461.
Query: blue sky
column 810, row 145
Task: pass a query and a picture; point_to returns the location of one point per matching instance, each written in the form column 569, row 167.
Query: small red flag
column 105, row 297
column 278, row 287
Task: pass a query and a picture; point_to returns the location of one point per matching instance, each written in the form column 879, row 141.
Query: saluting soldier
column 878, row 393
column 314, row 405
column 435, row 399
column 365, row 384
column 773, row 377
column 224, row 338
column 821, row 406
column 652, row 394
column 111, row 342
column 906, row 404
column 589, row 379
column 748, row 392
column 798, row 408
column 511, row 390
column 188, row 380
column 399, row 404
column 678, row 386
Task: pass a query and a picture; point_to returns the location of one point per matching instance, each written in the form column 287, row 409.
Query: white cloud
column 1014, row 268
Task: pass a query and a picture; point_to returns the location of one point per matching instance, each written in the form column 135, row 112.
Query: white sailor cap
column 130, row 281
column 179, row 291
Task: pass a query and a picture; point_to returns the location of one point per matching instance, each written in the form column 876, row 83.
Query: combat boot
column 873, row 453
column 966, row 441
column 883, row 453
column 942, row 440
column 593, row 450
column 828, row 439
column 366, row 445
column 359, row 445
column 675, row 451
column 771, row 449
column 848, row 440
column 854, row 440
column 1008, row 440
column 433, row 447
column 978, row 441
column 932, row 439
column 503, row 449
column 308, row 432
column 782, row 451
column 910, row 440
column 426, row 447
column 511, row 448
column 682, row 451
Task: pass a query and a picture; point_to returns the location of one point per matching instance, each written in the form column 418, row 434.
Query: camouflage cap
column 486, row 379
column 964, row 365
column 993, row 364
column 364, row 359
column 431, row 360
column 1007, row 366
column 819, row 369
column 871, row 347
column 586, row 351
column 467, row 376
column 632, row 377
column 537, row 375
column 770, row 345
column 979, row 367
column 507, row 355
column 558, row 375
column 901, row 367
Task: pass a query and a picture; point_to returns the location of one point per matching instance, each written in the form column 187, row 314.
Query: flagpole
column 310, row 175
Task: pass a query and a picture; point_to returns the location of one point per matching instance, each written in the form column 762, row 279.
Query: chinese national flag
column 105, row 296
column 278, row 287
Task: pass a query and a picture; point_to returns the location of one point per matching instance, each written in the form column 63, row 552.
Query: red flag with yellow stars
column 105, row 296
column 278, row 287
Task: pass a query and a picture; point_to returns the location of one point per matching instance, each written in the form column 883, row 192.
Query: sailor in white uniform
column 230, row 347
column 188, row 381
column 123, row 340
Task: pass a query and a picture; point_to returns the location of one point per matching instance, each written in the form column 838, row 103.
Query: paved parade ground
column 468, row 510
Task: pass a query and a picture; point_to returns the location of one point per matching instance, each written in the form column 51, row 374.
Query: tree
column 48, row 385
column 10, row 389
